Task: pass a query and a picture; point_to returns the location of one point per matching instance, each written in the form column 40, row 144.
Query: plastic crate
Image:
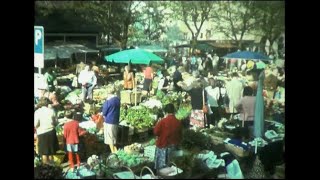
column 125, row 97
column 133, row 97
column 123, row 135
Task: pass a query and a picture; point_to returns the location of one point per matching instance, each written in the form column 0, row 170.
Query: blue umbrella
column 259, row 109
column 247, row 55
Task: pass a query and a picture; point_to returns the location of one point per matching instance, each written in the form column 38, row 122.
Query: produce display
column 139, row 117
column 45, row 171
column 73, row 96
column 134, row 148
column 184, row 111
column 195, row 140
column 152, row 103
column 129, row 160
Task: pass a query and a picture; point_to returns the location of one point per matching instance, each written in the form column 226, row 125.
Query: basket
column 237, row 151
column 125, row 174
column 113, row 165
column 164, row 172
column 152, row 176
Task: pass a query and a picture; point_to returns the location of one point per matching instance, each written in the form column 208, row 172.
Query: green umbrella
column 134, row 56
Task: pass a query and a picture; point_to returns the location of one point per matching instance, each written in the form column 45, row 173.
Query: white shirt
column 215, row 61
column 44, row 120
column 213, row 95
column 161, row 83
column 87, row 77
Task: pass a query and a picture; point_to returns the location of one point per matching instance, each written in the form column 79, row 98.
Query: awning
column 64, row 51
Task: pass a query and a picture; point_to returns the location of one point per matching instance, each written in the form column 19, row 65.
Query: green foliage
column 192, row 139
column 152, row 142
column 139, row 117
column 45, row 171
column 129, row 160
column 184, row 111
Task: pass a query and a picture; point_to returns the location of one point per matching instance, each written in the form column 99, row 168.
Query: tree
column 193, row 14
column 235, row 19
column 270, row 22
column 152, row 19
column 114, row 17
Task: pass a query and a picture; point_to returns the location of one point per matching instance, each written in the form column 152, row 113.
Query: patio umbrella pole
column 243, row 119
column 85, row 57
column 135, row 95
column 256, row 147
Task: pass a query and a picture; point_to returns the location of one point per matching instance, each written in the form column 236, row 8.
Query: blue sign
column 38, row 39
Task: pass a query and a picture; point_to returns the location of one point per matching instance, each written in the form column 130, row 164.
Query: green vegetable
column 152, row 142
column 140, row 118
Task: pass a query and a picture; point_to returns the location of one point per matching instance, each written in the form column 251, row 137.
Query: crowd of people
column 224, row 97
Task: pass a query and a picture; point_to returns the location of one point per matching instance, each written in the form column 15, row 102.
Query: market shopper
column 198, row 117
column 95, row 68
column 215, row 95
column 234, row 92
column 45, row 122
column 88, row 80
column 246, row 107
column 71, row 133
column 128, row 79
column 80, row 67
column 163, row 82
column 177, row 76
column 111, row 114
column 50, row 77
column 148, row 76
column 169, row 132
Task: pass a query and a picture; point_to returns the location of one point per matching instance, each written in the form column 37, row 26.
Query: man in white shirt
column 234, row 91
column 88, row 80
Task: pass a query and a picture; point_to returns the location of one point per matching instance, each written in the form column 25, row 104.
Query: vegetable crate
column 125, row 97
column 142, row 134
column 133, row 97
column 150, row 152
column 128, row 97
column 123, row 135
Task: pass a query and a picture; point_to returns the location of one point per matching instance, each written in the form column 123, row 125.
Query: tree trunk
column 125, row 37
column 262, row 44
column 193, row 44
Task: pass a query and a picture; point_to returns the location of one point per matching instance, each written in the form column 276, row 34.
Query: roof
column 64, row 51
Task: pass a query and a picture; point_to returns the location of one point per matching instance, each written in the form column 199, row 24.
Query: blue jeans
column 87, row 92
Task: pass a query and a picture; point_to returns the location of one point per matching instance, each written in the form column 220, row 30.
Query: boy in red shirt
column 71, row 133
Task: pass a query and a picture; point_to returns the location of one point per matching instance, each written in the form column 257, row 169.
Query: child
column 98, row 119
column 71, row 132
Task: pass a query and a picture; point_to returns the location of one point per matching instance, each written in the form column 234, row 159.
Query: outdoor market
column 193, row 111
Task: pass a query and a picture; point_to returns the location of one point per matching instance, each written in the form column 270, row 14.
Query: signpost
column 39, row 47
